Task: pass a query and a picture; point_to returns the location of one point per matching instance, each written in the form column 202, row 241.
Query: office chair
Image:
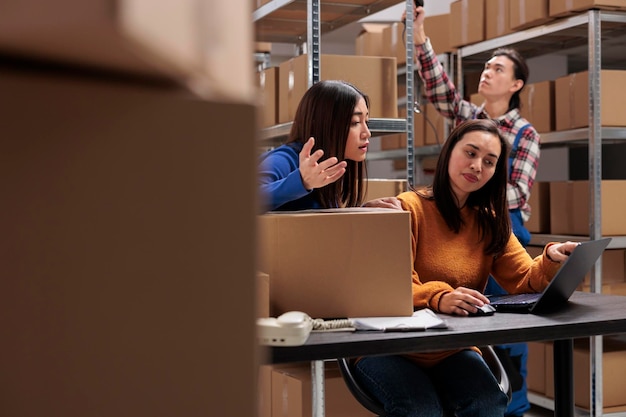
column 346, row 367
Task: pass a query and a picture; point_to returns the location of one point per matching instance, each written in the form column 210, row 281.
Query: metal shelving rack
column 285, row 21
column 298, row 21
column 418, row 154
column 600, row 36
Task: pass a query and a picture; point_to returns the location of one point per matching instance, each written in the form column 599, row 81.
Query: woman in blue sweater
column 330, row 122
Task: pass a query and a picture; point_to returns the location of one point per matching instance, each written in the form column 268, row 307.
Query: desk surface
column 586, row 315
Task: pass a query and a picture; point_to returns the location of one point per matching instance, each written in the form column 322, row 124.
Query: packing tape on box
column 464, row 21
column 395, row 37
column 500, row 21
column 572, row 96
column 531, row 96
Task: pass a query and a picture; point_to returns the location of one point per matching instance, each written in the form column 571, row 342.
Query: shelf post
column 595, row 198
column 313, row 41
column 410, row 95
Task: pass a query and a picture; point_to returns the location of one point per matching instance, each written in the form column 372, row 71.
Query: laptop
column 562, row 286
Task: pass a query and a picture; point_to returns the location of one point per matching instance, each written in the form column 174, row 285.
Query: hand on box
column 384, row 202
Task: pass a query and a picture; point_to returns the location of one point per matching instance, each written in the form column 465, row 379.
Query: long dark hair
column 520, row 71
column 325, row 113
column 489, row 201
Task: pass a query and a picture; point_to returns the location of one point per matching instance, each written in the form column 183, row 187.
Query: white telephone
column 289, row 329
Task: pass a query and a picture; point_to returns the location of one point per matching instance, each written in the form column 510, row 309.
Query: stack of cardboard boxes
column 552, row 105
column 118, row 266
column 336, row 263
column 540, row 378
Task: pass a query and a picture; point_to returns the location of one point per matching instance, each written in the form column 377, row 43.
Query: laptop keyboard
column 515, row 298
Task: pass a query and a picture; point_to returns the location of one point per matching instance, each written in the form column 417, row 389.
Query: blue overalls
column 514, row 356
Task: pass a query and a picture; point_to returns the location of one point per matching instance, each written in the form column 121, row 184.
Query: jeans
column 514, row 358
column 460, row 385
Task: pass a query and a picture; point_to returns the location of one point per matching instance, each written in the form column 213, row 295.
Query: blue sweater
column 280, row 182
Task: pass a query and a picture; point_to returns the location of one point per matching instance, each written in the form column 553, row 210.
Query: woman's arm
column 279, row 178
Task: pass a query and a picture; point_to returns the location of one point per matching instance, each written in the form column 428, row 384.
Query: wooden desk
column 586, row 315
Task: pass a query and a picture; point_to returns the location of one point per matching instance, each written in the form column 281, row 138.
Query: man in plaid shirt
column 501, row 82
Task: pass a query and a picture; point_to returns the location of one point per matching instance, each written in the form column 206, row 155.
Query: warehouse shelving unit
column 302, row 22
column 421, row 152
column 591, row 40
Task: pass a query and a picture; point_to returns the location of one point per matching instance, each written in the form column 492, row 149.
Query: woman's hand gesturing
column 317, row 174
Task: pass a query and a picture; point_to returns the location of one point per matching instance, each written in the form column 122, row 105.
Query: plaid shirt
column 442, row 93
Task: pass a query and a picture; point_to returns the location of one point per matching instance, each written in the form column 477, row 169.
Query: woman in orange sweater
column 461, row 233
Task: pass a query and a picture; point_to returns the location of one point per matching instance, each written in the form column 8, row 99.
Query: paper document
column 420, row 320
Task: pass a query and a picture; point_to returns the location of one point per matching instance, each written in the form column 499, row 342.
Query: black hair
column 489, row 201
column 520, row 72
column 325, row 113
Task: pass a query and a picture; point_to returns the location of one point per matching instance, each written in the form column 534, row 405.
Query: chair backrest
column 496, row 367
column 346, row 367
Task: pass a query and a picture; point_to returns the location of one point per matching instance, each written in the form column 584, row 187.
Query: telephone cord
column 319, row 324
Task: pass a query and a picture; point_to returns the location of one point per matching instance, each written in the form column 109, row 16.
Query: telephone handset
column 288, row 329
column 293, row 328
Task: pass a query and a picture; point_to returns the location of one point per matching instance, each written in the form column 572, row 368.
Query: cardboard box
column 264, row 396
column 613, row 376
column 263, row 295
column 110, row 218
column 375, row 76
column 560, row 8
column 389, row 142
column 537, row 105
column 292, row 393
column 378, row 188
column 539, row 202
column 418, row 132
column 436, row 27
column 435, row 131
column 186, row 41
column 369, row 42
column 263, row 47
column 527, row 13
column 617, row 288
column 370, row 275
column 467, row 22
column 613, row 267
column 572, row 99
column 497, row 22
column 267, row 81
column 393, row 43
column 536, row 367
column 569, row 207
column 438, row 30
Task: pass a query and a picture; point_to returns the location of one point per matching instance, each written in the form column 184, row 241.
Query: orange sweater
column 444, row 260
